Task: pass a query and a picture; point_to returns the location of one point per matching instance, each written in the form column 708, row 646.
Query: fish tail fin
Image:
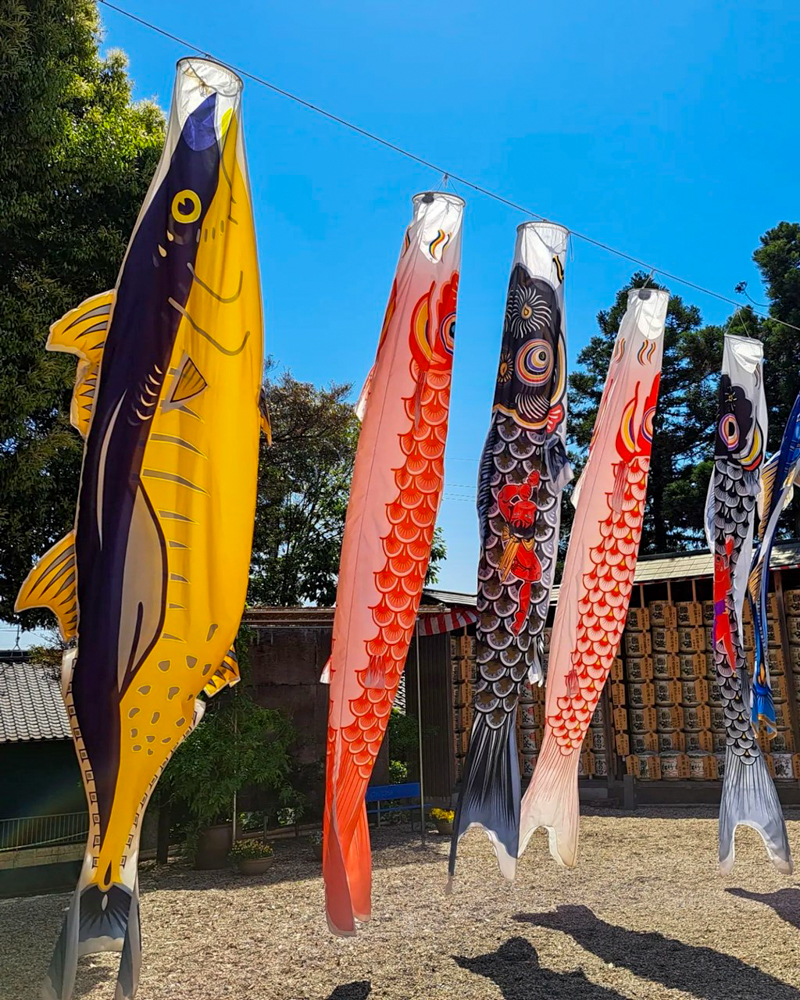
column 490, row 792
column 131, row 962
column 359, row 875
column 551, row 801
column 60, row 979
column 97, row 921
column 749, row 799
column 338, row 902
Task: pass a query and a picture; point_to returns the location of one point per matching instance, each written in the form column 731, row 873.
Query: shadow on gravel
column 515, row 969
column 701, row 972
column 785, row 902
column 352, row 991
column 293, row 863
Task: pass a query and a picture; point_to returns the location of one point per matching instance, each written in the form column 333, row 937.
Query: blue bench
column 407, row 793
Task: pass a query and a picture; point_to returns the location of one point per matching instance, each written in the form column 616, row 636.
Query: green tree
column 778, row 260
column 76, row 157
column 237, row 745
column 687, row 403
column 303, row 490
column 684, row 418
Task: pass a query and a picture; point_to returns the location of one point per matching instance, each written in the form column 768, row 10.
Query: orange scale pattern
column 407, row 550
column 602, row 608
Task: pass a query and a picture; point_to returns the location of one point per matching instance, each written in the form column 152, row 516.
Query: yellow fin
column 53, row 584
column 82, row 331
column 226, row 673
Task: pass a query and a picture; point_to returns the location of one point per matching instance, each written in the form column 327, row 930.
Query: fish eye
column 186, row 207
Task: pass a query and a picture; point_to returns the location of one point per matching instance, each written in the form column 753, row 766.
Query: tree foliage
column 237, row 745
column 303, row 490
column 687, row 403
column 684, row 418
column 76, row 157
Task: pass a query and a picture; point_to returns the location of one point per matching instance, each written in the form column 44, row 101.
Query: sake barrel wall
column 666, row 706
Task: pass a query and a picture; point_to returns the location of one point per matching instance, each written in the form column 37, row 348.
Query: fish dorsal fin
column 187, row 383
column 53, row 584
column 227, row 673
column 82, row 331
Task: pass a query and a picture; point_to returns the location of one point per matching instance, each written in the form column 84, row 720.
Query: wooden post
column 791, row 693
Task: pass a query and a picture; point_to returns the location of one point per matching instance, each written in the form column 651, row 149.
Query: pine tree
column 687, row 403
column 684, row 419
column 778, row 260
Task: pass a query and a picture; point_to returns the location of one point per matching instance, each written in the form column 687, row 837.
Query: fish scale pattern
column 407, row 546
column 736, row 494
column 603, row 607
column 504, row 657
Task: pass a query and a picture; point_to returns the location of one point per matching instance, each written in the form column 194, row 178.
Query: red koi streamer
column 598, row 574
column 394, row 500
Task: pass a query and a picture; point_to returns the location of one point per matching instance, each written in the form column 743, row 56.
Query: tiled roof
column 276, row 617
column 700, row 562
column 31, row 707
column 452, row 598
column 654, row 569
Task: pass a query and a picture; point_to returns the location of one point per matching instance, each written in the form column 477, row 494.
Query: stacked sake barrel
column 694, row 644
column 463, row 651
column 641, row 758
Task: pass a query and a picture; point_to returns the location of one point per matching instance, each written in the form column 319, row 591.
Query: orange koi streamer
column 394, row 500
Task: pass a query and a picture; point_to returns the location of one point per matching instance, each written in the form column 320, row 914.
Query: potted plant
column 238, row 744
column 316, row 844
column 251, row 857
column 443, row 818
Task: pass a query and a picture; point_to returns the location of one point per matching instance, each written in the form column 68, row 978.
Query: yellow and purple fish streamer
column 152, row 580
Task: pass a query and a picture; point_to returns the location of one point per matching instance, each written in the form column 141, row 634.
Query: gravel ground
column 645, row 916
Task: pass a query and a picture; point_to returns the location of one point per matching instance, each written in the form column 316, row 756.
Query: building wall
column 39, row 778
column 286, row 663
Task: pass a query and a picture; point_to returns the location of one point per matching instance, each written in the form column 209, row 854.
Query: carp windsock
column 598, row 573
column 394, row 500
column 749, row 797
column 777, row 486
column 153, row 578
column 523, row 470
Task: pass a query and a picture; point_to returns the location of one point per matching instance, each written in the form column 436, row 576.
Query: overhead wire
column 449, row 175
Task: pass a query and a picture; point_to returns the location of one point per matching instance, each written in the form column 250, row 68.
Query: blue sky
column 667, row 129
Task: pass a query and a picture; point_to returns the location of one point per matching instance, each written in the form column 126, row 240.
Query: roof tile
column 31, row 706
